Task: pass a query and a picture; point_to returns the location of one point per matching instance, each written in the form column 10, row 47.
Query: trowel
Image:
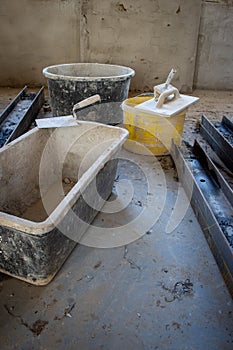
column 167, row 100
column 71, row 120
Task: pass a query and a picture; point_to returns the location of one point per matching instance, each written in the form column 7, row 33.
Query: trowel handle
column 173, row 91
column 87, row 102
column 170, row 77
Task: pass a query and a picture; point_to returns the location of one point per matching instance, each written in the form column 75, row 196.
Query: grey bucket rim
column 48, row 75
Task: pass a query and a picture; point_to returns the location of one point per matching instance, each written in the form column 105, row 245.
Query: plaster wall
column 35, row 34
column 151, row 36
column 214, row 65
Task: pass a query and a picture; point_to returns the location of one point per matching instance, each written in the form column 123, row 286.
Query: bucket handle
column 85, row 103
column 165, row 94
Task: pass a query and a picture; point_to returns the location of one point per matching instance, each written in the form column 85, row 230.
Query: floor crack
column 133, row 265
column 36, row 328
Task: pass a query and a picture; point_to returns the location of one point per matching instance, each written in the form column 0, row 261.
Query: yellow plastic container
column 149, row 132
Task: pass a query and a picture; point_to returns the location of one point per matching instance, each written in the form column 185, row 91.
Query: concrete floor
column 162, row 291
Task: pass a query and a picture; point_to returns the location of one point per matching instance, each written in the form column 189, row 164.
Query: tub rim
column 44, row 227
column 49, row 75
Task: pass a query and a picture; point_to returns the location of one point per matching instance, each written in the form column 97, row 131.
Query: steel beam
column 207, row 192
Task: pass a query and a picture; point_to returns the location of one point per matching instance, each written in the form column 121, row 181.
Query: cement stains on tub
column 42, row 217
column 71, row 83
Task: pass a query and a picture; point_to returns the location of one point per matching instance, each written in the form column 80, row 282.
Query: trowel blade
column 56, row 122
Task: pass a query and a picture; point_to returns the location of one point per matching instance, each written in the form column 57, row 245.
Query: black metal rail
column 20, row 114
column 211, row 199
column 220, row 138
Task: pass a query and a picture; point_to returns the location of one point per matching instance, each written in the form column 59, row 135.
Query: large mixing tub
column 52, row 183
column 71, row 83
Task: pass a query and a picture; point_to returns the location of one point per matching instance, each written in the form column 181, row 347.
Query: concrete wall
column 150, row 36
column 34, row 34
column 214, row 67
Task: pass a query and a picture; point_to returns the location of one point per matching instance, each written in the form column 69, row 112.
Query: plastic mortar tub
column 53, row 182
column 71, row 83
column 149, row 133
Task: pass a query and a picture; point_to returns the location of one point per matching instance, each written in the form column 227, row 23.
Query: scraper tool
column 71, row 120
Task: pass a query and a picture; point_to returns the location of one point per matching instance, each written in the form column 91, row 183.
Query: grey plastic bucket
column 71, row 83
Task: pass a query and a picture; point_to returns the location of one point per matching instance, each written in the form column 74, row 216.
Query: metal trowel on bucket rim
column 66, row 121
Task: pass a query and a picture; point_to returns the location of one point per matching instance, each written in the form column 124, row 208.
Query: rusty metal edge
column 216, row 239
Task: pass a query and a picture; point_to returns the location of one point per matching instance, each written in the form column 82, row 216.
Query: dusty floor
column 162, row 291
